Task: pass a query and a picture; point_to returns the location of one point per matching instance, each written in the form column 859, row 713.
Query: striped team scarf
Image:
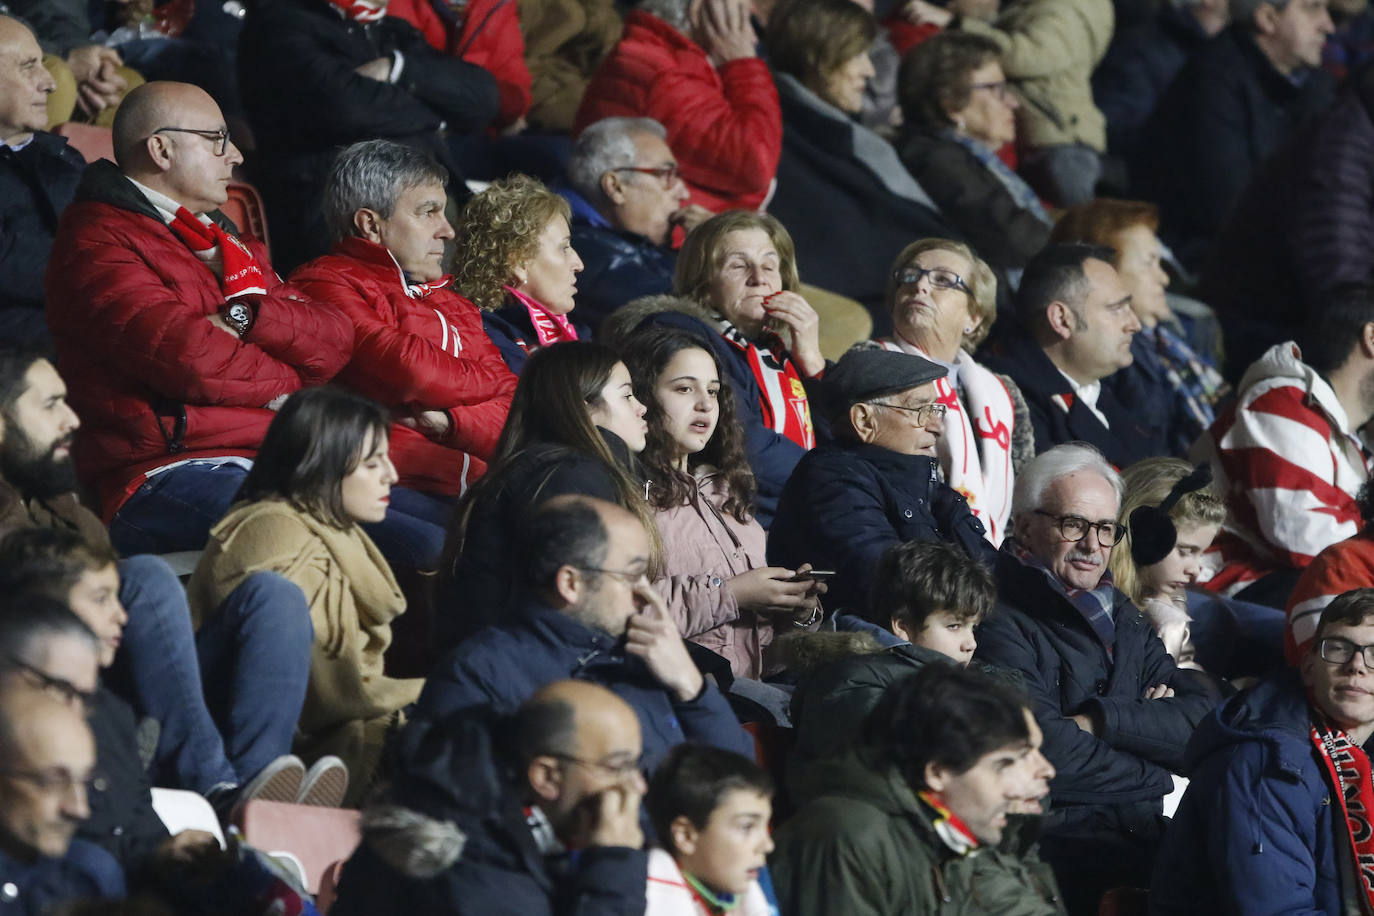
column 1094, row 605
column 364, row 11
column 783, row 396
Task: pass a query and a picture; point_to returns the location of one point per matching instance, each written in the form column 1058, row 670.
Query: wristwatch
column 238, row 316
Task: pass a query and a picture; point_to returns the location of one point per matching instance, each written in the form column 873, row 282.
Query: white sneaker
column 325, row 784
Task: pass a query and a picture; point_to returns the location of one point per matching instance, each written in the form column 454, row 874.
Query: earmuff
column 1153, row 533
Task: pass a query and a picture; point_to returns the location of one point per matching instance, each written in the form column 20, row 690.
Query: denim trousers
column 227, row 699
column 175, row 510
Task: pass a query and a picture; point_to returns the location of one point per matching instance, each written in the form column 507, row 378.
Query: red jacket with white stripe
column 153, row 380
column 1336, row 570
column 415, row 354
column 488, row 36
column 1290, row 466
column 724, row 126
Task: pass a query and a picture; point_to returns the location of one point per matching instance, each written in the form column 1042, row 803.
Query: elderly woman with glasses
column 943, row 301
column 957, row 114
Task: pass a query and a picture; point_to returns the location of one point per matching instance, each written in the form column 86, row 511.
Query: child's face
column 728, row 852
column 95, row 599
column 949, row 634
column 1169, row 577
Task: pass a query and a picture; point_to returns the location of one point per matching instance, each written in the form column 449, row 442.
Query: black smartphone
column 819, row 575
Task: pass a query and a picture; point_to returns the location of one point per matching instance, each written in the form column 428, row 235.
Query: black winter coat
column 1002, row 232
column 36, row 185
column 297, row 63
column 847, row 502
column 1129, row 438
column 454, row 841
column 617, row 265
column 1224, row 113
column 1114, row 781
column 122, row 819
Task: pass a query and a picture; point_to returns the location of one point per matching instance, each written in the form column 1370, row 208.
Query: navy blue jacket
column 847, row 502
column 510, row 328
column 502, row 666
column 617, row 265
column 455, row 780
column 86, row 872
column 1256, row 831
column 1144, row 391
column 772, row 456
column 36, row 185
column 1130, row 436
column 1119, row 776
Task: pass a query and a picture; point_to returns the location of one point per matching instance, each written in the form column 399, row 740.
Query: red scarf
column 363, row 11
column 548, row 327
column 243, row 275
column 1348, row 774
column 783, row 401
column 953, row 832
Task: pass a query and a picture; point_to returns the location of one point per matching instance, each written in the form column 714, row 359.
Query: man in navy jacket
column 591, row 615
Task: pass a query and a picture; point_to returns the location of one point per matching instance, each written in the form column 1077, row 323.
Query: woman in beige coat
column 322, row 470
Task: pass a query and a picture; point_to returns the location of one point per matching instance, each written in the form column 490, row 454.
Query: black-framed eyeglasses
column 621, row 771
column 1339, row 651
column 998, row 88
column 923, row 415
column 628, row 576
column 1076, row 527
column 940, row 277
column 668, row 174
column 44, row 681
column 57, row 780
column 219, row 137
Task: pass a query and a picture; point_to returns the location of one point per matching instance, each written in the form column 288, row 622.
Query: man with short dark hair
column 536, row 815
column 1289, row 453
column 420, row 349
column 1276, row 816
column 1115, row 709
column 920, row 816
column 1228, row 108
column 589, row 613
column 876, row 485
column 1077, row 326
column 175, row 334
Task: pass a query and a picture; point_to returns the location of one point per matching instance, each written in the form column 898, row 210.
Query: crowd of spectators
column 689, row 456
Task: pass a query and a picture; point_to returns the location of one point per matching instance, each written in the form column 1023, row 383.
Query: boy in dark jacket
column 1276, row 815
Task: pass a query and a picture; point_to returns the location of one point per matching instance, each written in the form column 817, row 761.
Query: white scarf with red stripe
column 783, row 402
column 975, row 449
column 363, row 11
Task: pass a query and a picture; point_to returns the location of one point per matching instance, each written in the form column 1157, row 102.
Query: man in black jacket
column 38, row 177
column 1076, row 327
column 534, row 815
column 1115, row 711
column 876, row 485
column 318, row 75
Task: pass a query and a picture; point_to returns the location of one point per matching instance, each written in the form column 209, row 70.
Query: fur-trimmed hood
column 805, row 653
column 621, row 323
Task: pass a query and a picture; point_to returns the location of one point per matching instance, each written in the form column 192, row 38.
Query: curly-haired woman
column 515, row 260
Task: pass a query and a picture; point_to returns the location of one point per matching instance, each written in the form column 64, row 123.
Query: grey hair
column 608, row 144
column 373, row 174
column 673, row 12
column 1070, row 458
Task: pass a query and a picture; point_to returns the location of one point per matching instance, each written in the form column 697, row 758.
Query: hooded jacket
column 1257, row 831
column 151, row 378
column 1290, row 465
column 503, row 666
column 452, row 840
column 848, row 501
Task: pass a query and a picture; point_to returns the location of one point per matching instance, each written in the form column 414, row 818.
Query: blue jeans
column 255, row 665
column 175, row 510
column 157, row 672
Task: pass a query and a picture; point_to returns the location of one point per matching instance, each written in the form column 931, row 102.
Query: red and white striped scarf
column 364, row 11
column 783, row 402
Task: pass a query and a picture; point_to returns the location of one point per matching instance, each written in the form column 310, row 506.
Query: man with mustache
column 1276, row 815
column 1115, row 711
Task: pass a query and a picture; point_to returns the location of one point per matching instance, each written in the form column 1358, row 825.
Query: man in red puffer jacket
column 175, row 336
column 419, row 347
column 692, row 66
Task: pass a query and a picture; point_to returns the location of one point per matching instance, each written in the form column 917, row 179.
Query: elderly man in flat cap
column 876, row 484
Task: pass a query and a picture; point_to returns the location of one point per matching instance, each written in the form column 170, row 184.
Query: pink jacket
column 703, row 547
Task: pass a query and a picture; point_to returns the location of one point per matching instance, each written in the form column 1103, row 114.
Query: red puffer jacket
column 151, row 378
column 413, row 355
column 488, row 36
column 724, row 126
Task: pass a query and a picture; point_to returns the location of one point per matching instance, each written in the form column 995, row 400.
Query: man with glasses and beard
column 1276, row 817
column 1115, row 711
